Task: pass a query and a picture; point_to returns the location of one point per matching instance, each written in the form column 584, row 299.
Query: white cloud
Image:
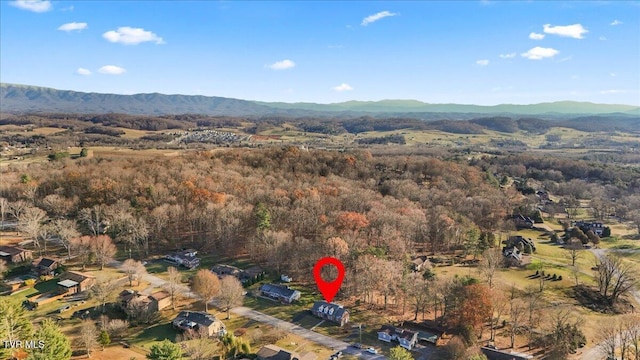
column 282, row 65
column 33, row 5
column 73, row 26
column 616, row 22
column 131, row 36
column 508, row 56
column 482, row 62
column 112, row 70
column 343, row 87
column 573, row 31
column 83, row 72
column 538, row 53
column 536, row 36
column 375, row 17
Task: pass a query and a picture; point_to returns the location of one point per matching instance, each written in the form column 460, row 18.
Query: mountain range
column 33, row 99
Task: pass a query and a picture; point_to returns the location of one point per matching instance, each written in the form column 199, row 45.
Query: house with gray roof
column 331, row 312
column 406, row 338
column 278, row 292
column 199, row 322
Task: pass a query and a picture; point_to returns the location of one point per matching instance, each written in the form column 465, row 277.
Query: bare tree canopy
column 206, row 285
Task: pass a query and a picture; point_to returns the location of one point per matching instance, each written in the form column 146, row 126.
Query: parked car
column 285, row 278
column 357, row 346
column 64, row 308
column 372, row 351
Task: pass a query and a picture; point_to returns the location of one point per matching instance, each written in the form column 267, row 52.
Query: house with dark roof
column 199, row 322
column 273, row 352
column 73, row 282
column 45, row 266
column 281, row 293
column 596, row 227
column 522, row 222
column 495, row 354
column 331, row 312
column 13, row 254
column 223, row 270
column 406, row 338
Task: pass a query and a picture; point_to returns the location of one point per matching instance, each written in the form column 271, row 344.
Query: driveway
column 323, row 340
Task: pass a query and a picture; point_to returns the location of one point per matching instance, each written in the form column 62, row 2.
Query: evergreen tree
column 400, row 353
column 14, row 324
column 56, row 346
column 104, row 339
column 166, row 350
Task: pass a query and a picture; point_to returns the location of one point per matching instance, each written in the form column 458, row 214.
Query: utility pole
column 360, row 327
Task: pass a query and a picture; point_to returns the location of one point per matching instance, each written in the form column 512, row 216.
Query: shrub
column 29, row 282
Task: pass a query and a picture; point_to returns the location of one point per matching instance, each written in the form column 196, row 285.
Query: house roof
column 68, row 283
column 76, row 276
column 198, row 317
column 273, row 352
column 283, row 291
column 495, row 354
column 46, row 262
column 329, row 308
column 222, row 269
column 159, row 295
column 11, row 250
column 398, row 332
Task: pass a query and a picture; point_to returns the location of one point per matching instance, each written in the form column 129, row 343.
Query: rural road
column 323, row 340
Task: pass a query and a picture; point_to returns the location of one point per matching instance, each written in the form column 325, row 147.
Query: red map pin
column 329, row 289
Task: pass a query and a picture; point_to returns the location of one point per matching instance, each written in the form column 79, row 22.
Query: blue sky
column 471, row 52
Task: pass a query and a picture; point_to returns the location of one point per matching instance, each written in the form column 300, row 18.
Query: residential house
column 418, row 263
column 522, row 222
column 13, row 254
column 73, row 282
column 186, row 258
column 495, row 354
column 512, row 256
column 201, row 322
column 224, row 270
column 596, row 227
column 132, row 301
column 46, row 266
column 406, row 338
column 520, row 242
column 331, row 312
column 273, row 352
column 251, row 274
column 281, row 293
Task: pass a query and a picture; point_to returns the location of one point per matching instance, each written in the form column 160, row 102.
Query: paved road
column 323, row 340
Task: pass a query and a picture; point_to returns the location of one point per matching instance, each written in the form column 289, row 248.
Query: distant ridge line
column 17, row 98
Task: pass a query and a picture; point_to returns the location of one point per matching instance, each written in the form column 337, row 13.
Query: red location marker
column 329, row 289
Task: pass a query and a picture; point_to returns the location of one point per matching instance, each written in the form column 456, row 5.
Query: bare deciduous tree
column 614, row 277
column 134, row 270
column 173, row 284
column 82, row 247
column 231, row 293
column 88, row 335
column 573, row 250
column 103, row 290
column 492, row 260
column 103, row 249
column 30, row 222
column 94, row 218
column 65, row 230
column 206, row 285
